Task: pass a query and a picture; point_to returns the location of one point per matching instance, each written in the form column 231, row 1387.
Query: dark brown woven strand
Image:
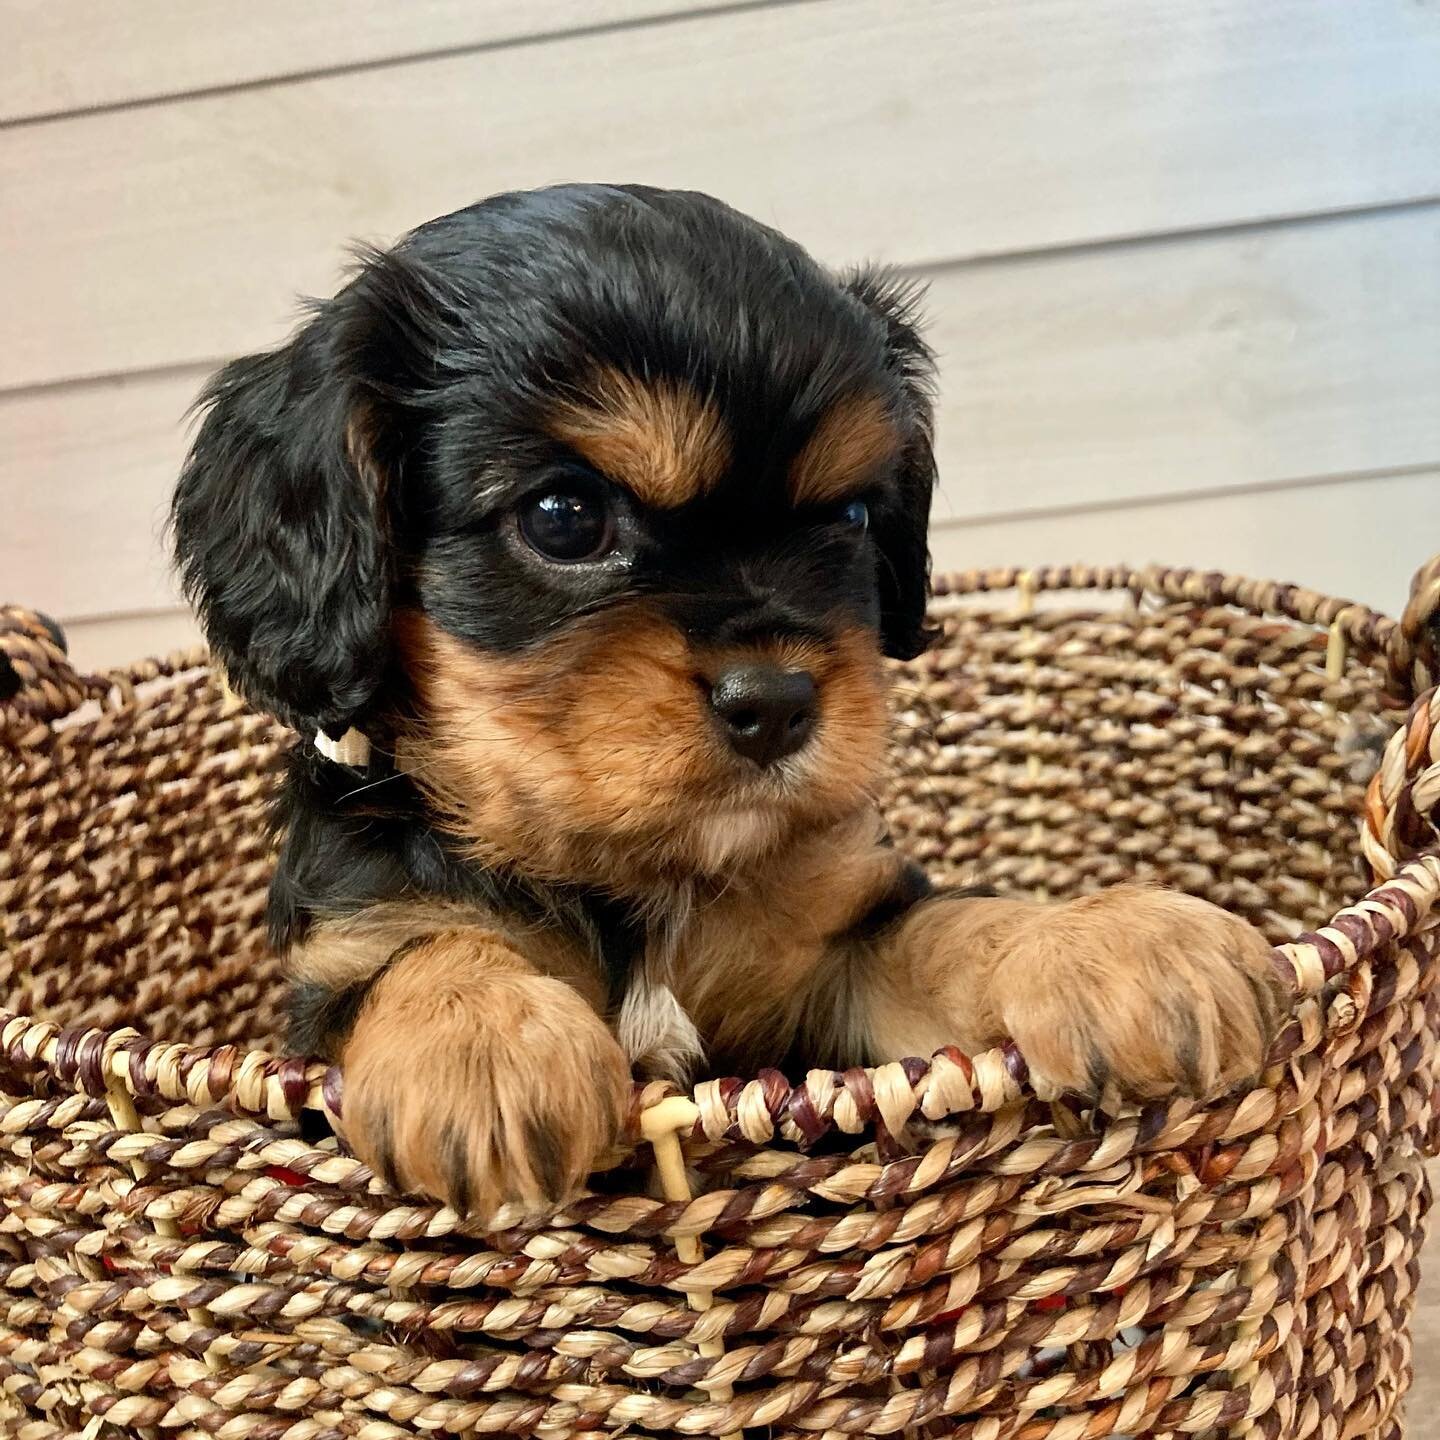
column 37, row 683
column 924, row 1249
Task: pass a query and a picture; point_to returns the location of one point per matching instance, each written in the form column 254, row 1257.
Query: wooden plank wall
column 1184, row 259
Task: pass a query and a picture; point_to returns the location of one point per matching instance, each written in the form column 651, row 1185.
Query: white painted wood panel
column 1190, row 364
column 1208, row 363
column 85, row 478
column 1360, row 539
column 920, row 132
column 109, row 641
column 65, row 55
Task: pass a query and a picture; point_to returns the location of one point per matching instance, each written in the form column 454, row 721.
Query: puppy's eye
column 855, row 515
column 567, row 525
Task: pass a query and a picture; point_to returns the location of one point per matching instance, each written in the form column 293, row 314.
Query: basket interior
column 1200, row 746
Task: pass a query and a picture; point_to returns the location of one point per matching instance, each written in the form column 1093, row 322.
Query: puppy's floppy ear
column 279, row 530
column 900, row 527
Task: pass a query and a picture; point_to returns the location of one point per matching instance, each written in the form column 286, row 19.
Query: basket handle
column 38, row 684
column 1412, row 655
column 1402, row 803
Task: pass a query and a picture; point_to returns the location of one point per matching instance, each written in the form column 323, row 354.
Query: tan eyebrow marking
column 854, row 438
column 656, row 437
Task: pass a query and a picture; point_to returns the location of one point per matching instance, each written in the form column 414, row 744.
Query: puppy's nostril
column 766, row 712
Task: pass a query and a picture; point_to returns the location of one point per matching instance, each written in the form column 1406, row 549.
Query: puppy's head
column 599, row 505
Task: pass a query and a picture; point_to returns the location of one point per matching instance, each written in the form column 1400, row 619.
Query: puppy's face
column 598, row 505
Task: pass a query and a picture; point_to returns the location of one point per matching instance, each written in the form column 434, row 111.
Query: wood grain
column 1213, row 362
column 1361, row 539
column 1079, row 379
column 169, row 234
column 109, row 641
column 67, row 55
column 85, row 479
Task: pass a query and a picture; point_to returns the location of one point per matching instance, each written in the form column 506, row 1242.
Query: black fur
column 377, row 456
column 281, row 539
column 350, row 839
column 377, row 460
column 910, row 887
column 319, row 1014
column 902, row 526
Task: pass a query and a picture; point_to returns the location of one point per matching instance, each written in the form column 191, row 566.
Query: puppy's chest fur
column 707, row 976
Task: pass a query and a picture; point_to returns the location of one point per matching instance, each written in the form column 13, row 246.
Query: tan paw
column 482, row 1090
column 1138, row 994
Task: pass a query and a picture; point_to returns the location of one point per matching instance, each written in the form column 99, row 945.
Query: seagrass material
column 927, row 1249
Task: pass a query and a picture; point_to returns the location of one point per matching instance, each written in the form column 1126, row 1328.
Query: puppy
column 586, row 516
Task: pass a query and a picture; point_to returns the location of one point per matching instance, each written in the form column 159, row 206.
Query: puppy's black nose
column 766, row 712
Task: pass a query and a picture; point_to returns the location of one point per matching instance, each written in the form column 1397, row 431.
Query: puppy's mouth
column 736, row 833
column 794, row 741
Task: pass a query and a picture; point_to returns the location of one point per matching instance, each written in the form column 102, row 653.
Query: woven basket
column 925, row 1249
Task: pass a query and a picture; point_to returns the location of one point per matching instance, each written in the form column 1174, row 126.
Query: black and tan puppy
column 594, row 511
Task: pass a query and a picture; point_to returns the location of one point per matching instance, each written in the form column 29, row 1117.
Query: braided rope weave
column 925, row 1249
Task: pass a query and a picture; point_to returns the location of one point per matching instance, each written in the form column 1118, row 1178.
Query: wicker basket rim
column 259, row 1083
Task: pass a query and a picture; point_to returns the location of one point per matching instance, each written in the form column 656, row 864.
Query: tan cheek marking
column 657, row 438
column 546, row 759
column 854, row 438
column 610, row 705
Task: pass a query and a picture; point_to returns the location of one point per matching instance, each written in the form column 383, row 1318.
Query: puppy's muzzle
column 764, row 712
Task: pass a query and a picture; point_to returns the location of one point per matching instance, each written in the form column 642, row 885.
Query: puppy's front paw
column 510, row 1089
column 1139, row 994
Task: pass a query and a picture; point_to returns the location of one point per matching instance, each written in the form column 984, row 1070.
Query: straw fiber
column 926, row 1249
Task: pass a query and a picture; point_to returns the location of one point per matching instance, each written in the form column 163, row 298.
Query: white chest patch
column 656, row 1033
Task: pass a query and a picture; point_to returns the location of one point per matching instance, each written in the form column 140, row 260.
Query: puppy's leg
column 1134, row 992
column 472, row 1077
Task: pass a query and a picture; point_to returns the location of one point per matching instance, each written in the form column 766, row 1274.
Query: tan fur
column 853, row 440
column 755, row 958
column 658, row 438
column 596, row 759
column 350, row 950
column 479, row 1068
column 360, row 451
column 1134, row 992
column 471, row 1077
